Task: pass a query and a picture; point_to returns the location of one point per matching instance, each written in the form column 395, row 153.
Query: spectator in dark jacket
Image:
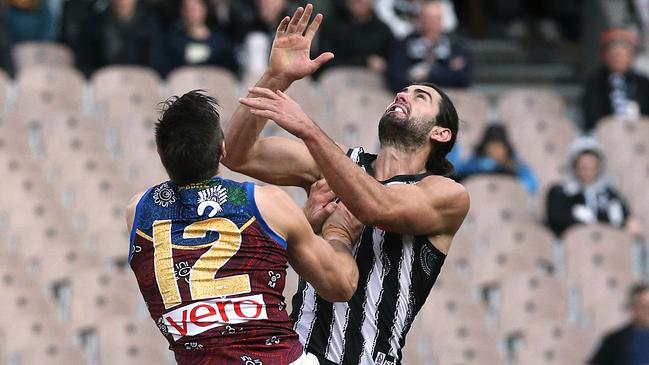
column 127, row 34
column 586, row 196
column 628, row 345
column 357, row 37
column 193, row 42
column 615, row 89
column 495, row 155
column 429, row 55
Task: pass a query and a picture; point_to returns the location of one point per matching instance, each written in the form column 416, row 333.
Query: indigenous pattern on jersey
column 396, row 274
column 212, row 272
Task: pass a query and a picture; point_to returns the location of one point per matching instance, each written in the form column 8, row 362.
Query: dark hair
column 637, row 289
column 189, row 137
column 494, row 133
column 447, row 117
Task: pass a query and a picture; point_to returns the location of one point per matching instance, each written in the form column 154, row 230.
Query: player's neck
column 392, row 162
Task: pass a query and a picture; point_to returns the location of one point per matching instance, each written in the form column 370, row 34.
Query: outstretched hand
column 289, row 55
column 280, row 108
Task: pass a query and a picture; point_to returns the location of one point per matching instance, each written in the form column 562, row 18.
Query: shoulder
column 272, row 196
column 454, row 193
column 135, row 199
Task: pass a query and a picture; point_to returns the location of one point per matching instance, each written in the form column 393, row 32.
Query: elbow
column 342, row 289
column 374, row 214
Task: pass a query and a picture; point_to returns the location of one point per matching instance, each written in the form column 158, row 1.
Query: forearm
column 360, row 192
column 244, row 128
column 343, row 273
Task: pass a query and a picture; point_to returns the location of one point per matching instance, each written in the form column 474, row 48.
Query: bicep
column 281, row 161
column 423, row 209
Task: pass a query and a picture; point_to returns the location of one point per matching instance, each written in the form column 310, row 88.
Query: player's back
column 212, row 274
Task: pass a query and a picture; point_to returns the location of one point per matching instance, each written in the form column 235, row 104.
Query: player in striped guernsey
column 411, row 210
column 210, row 254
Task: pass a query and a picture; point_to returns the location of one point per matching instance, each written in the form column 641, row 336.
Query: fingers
column 282, row 95
column 293, row 24
column 257, row 103
column 323, row 58
column 330, row 208
column 268, row 114
column 304, row 20
column 264, row 92
column 281, row 28
column 313, row 27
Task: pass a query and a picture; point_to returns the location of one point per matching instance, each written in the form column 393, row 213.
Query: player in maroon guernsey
column 210, row 254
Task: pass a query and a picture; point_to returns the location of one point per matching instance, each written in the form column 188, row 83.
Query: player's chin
column 395, row 116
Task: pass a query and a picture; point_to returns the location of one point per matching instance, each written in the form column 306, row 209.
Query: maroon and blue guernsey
column 212, row 274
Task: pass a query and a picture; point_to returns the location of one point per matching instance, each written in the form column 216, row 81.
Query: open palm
column 289, row 56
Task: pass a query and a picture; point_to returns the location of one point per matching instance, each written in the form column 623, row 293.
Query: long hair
column 447, row 117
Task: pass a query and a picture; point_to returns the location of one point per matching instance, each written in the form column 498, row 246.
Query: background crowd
column 604, row 43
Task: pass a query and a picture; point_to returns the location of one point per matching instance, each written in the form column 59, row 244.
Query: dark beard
column 404, row 135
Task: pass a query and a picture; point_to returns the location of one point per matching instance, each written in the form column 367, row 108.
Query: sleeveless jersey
column 396, row 274
column 212, row 272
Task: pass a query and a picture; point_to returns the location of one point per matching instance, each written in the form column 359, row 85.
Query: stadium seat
column 595, row 249
column 55, row 350
column 43, row 89
column 338, row 79
column 473, row 110
column 511, row 248
column 519, row 104
column 218, row 82
column 119, row 91
column 543, row 143
column 310, row 99
column 100, row 293
column 30, row 54
column 356, row 117
column 126, row 340
column 496, row 200
column 601, row 264
column 527, row 297
column 622, row 142
column 4, row 91
column 466, row 248
column 554, row 342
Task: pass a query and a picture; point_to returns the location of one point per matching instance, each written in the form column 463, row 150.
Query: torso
column 396, row 274
column 212, row 274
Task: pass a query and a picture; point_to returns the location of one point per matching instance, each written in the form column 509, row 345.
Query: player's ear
column 222, row 150
column 440, row 134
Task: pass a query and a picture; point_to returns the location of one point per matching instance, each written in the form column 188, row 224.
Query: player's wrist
column 275, row 80
column 334, row 233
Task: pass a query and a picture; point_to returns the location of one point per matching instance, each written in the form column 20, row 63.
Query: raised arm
column 277, row 160
column 326, row 262
column 434, row 206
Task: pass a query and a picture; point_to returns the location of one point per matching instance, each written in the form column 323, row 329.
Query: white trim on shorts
column 306, row 359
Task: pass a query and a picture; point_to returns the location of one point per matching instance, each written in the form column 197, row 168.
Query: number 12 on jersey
column 202, row 283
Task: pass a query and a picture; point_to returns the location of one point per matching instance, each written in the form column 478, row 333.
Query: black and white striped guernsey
column 396, row 274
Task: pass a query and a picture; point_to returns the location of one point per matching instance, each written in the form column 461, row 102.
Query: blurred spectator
column 357, row 38
column 260, row 32
column 628, row 345
column 192, row 42
column 79, row 19
column 31, row 20
column 429, row 54
column 615, row 89
column 401, row 15
column 126, row 33
column 586, row 197
column 495, row 155
column 6, row 61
